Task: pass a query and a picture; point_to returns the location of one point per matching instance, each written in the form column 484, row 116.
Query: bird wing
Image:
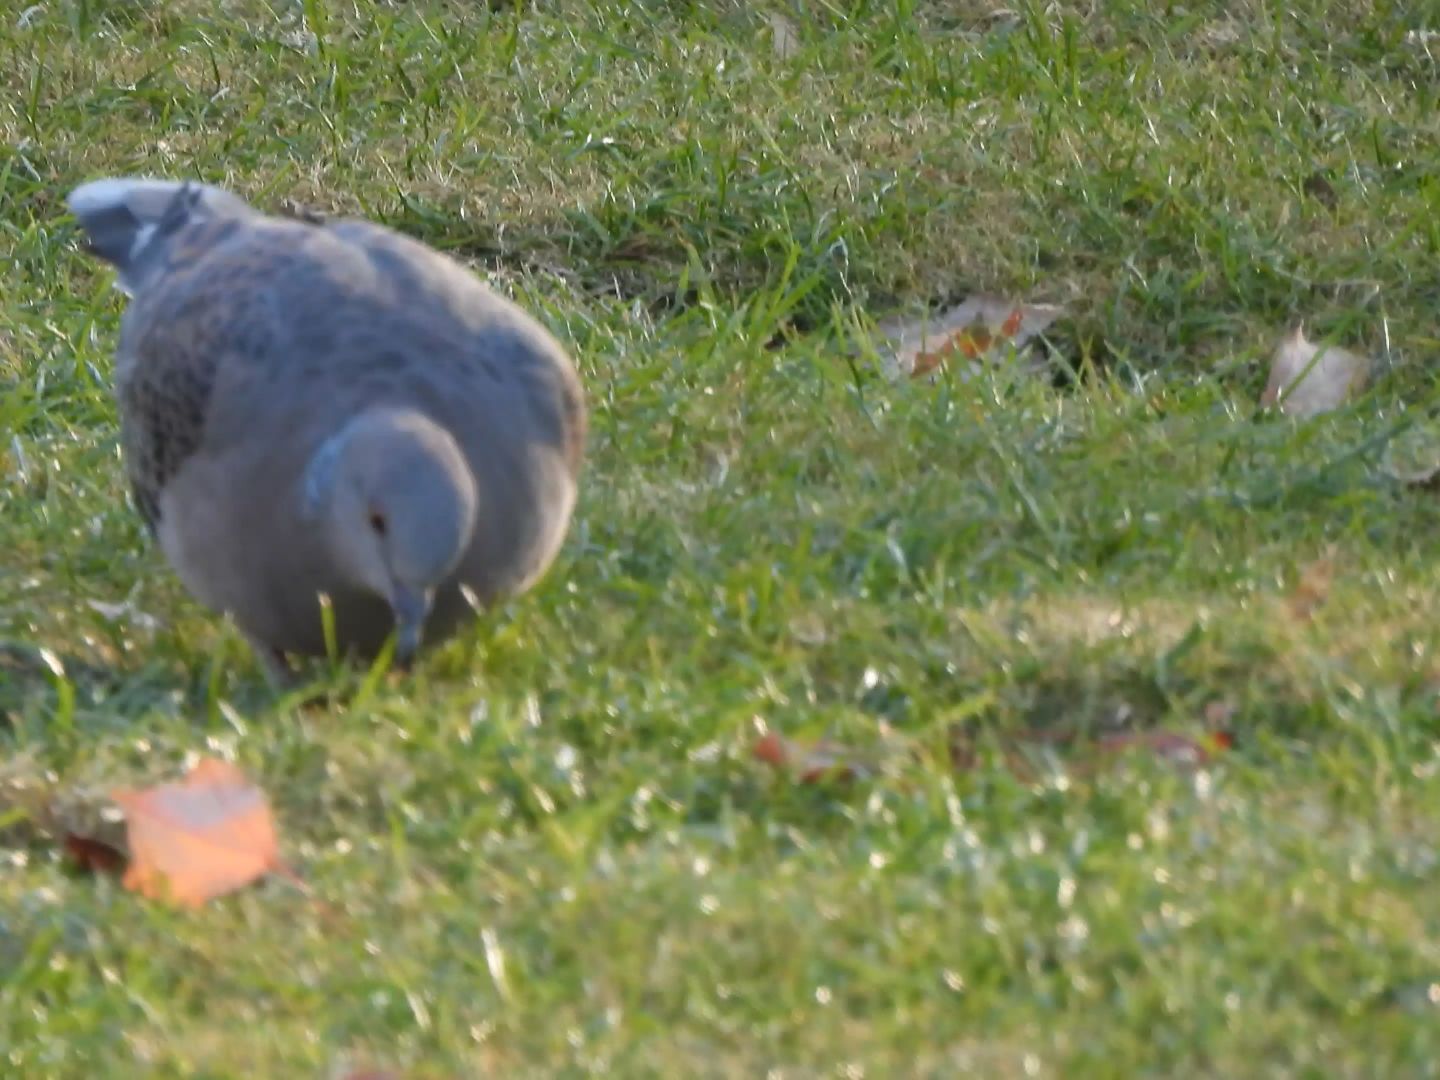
column 495, row 336
column 202, row 314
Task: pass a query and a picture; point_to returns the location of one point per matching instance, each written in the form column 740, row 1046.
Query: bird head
column 397, row 501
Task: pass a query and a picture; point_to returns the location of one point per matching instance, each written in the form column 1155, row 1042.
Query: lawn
column 550, row 850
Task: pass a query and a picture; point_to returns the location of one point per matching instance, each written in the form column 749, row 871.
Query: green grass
column 548, row 851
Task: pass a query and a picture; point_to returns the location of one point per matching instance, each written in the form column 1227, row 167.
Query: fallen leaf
column 200, row 838
column 94, row 856
column 979, row 331
column 809, row 763
column 783, row 36
column 1308, row 379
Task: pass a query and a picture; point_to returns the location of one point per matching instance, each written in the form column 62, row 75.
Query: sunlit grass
column 549, row 851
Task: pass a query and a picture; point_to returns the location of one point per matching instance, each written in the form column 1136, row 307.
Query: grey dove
column 331, row 409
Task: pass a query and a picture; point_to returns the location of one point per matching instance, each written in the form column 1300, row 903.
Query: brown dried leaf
column 1308, row 379
column 209, row 834
column 977, row 332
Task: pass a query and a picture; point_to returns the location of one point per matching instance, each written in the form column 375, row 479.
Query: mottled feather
column 174, row 342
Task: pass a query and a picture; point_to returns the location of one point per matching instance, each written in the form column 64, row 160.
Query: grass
column 548, row 851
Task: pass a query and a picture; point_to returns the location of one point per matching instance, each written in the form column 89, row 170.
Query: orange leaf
column 972, row 343
column 94, row 856
column 205, row 836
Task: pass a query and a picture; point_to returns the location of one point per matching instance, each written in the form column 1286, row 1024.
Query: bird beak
column 410, row 608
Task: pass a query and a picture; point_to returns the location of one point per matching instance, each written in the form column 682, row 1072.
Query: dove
column 321, row 412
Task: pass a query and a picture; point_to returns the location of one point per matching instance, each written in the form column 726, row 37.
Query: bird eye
column 377, row 522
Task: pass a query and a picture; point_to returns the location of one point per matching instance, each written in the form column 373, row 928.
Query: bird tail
column 123, row 216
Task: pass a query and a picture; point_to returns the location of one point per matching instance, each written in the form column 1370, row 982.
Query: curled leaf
column 1308, row 379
